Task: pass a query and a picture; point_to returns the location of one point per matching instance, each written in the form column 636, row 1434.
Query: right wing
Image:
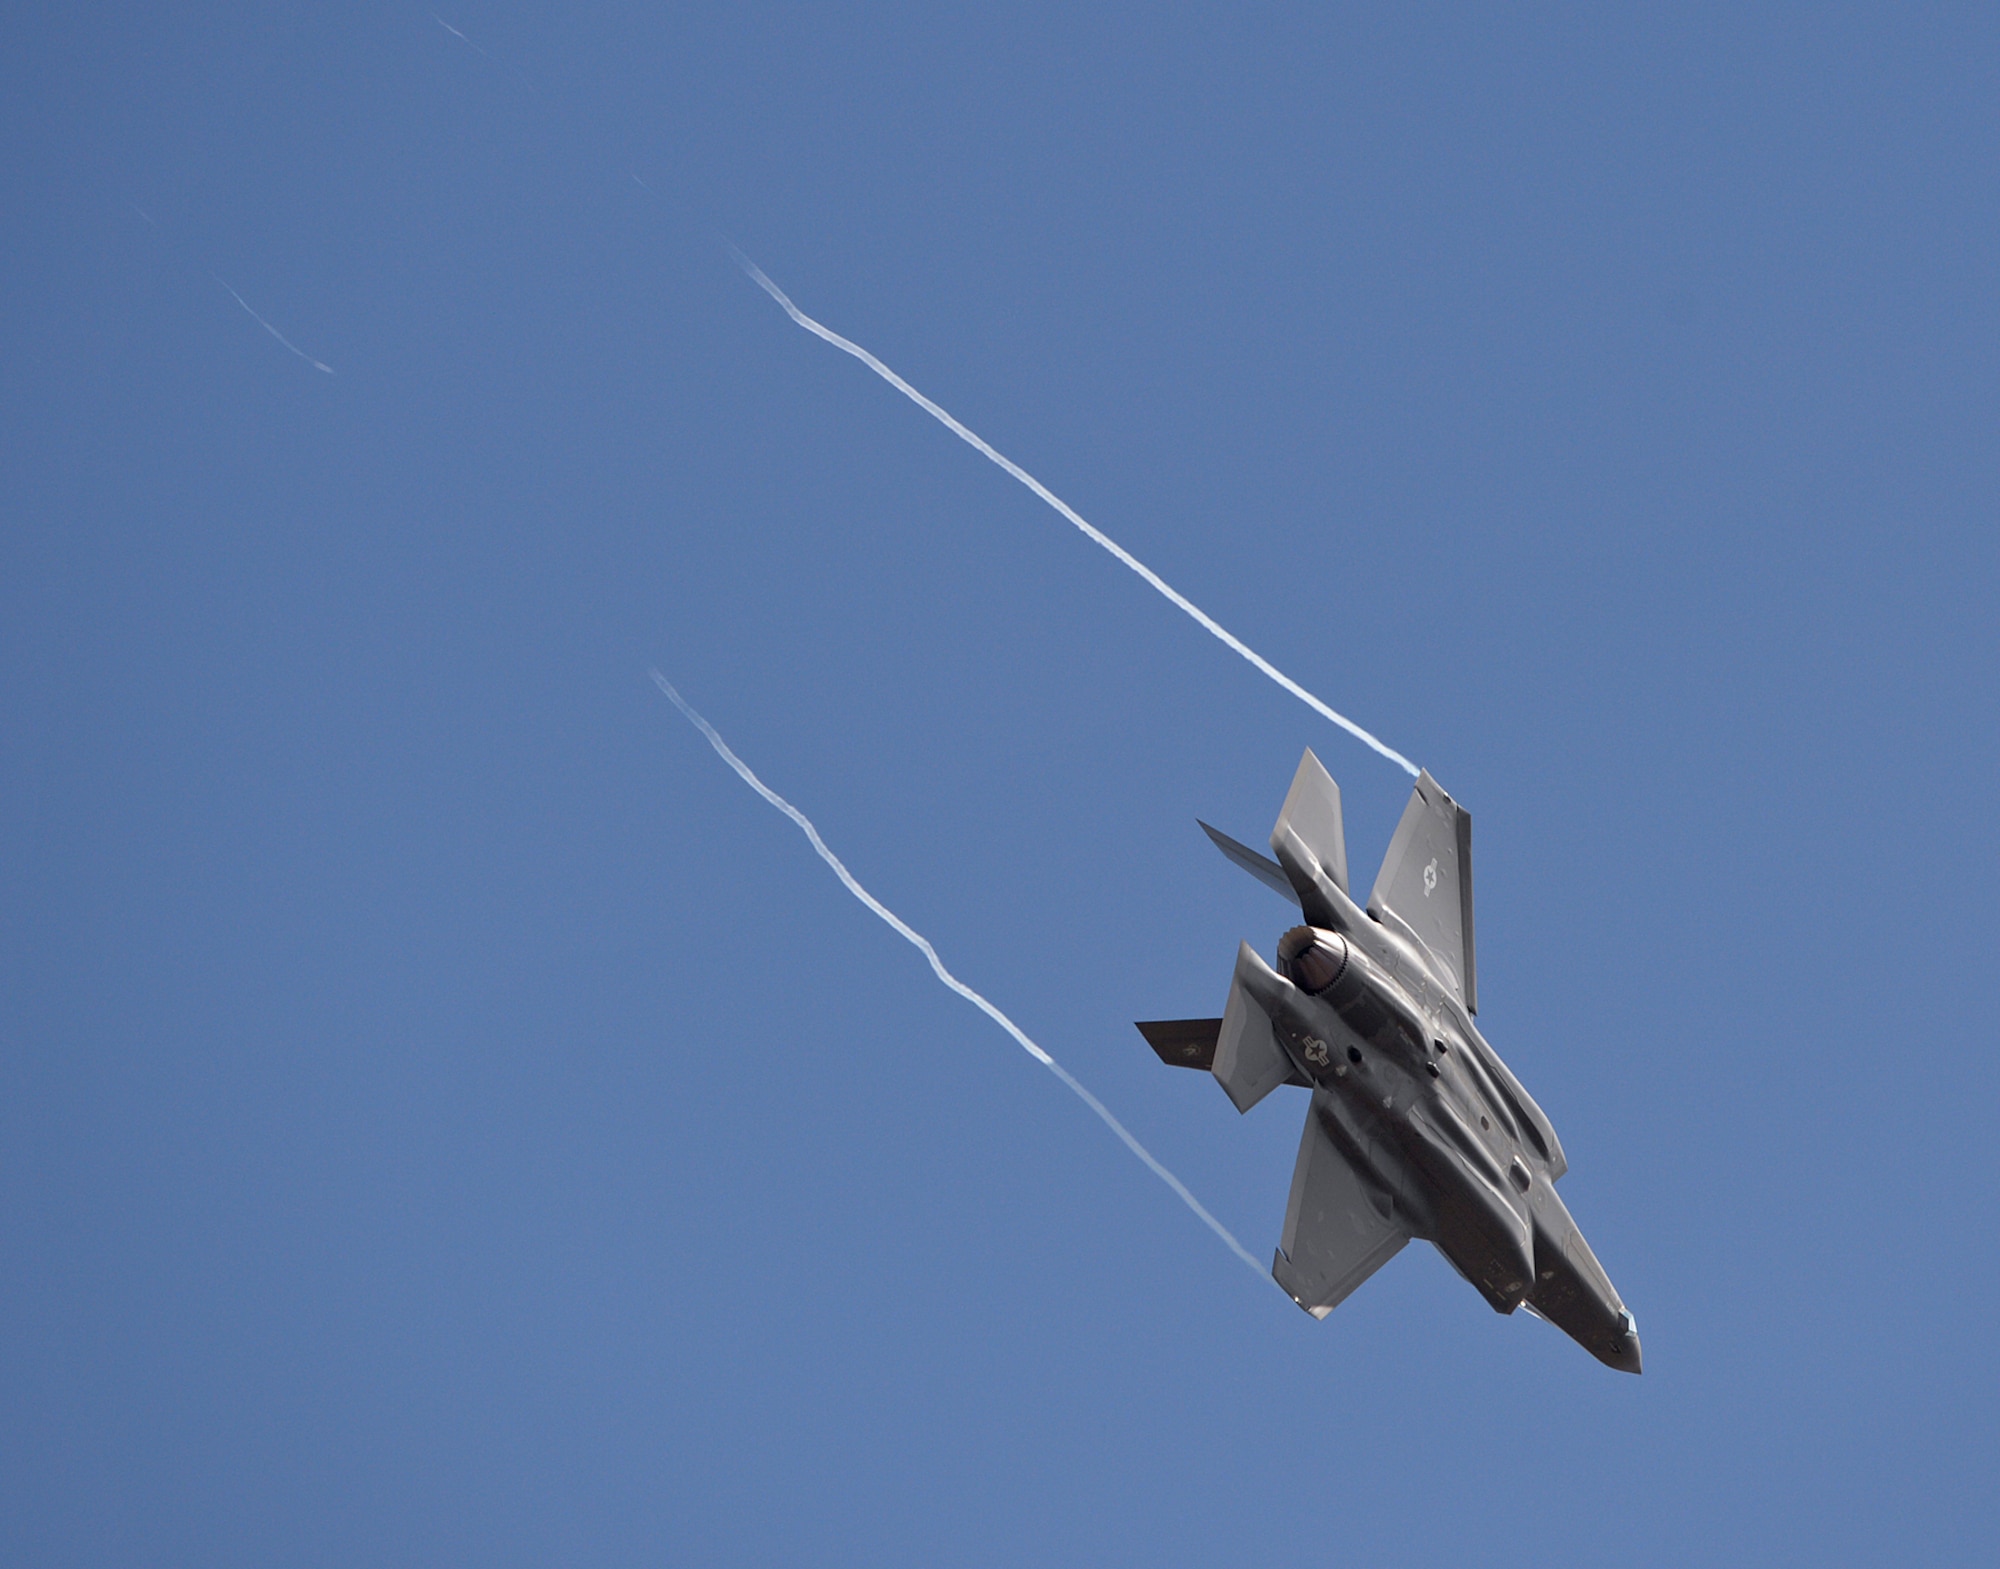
column 1336, row 1234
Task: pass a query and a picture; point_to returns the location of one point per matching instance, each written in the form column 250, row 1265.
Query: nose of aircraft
column 1623, row 1352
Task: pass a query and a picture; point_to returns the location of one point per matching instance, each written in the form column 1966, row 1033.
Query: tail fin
column 1249, row 1062
column 1310, row 818
column 1426, row 883
column 1312, row 811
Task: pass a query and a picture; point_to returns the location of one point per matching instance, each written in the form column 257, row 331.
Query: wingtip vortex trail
column 1097, row 536
column 922, row 944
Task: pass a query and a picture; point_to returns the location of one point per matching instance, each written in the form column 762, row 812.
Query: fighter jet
column 1417, row 1128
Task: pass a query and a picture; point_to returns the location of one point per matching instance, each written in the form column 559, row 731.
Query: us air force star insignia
column 1316, row 1052
column 1430, row 877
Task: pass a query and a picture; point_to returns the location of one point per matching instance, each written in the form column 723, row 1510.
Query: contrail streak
column 273, row 331
column 441, row 22
column 979, row 444
column 523, row 75
column 922, row 944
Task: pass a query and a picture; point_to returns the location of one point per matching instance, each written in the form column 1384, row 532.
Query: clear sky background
column 446, row 1118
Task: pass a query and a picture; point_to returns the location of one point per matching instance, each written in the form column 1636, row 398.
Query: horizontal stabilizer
column 1249, row 1062
column 1183, row 1043
column 1261, row 867
column 1338, row 1229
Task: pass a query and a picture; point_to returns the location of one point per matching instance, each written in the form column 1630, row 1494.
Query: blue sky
column 445, row 1117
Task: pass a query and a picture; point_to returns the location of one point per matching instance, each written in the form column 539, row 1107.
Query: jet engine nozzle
column 1312, row 959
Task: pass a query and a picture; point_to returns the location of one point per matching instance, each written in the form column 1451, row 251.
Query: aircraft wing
column 1426, row 883
column 1335, row 1234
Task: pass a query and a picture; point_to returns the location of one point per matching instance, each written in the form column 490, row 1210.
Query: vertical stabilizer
column 1249, row 1062
column 1312, row 811
column 1426, row 882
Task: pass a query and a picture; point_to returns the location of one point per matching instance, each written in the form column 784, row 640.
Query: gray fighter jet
column 1417, row 1128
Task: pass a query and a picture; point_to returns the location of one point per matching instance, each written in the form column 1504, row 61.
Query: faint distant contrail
column 977, row 442
column 441, row 22
column 273, row 331
column 484, row 55
column 922, row 944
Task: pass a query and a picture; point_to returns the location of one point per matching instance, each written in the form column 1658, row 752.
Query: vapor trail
column 979, row 444
column 441, row 22
column 922, row 944
column 484, row 55
column 273, row 331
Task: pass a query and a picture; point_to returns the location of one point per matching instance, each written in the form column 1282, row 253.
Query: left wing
column 1337, row 1231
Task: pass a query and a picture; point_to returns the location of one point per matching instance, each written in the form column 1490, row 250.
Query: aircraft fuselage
column 1415, row 1098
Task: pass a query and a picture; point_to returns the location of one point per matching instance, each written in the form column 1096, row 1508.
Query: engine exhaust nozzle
column 1312, row 959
